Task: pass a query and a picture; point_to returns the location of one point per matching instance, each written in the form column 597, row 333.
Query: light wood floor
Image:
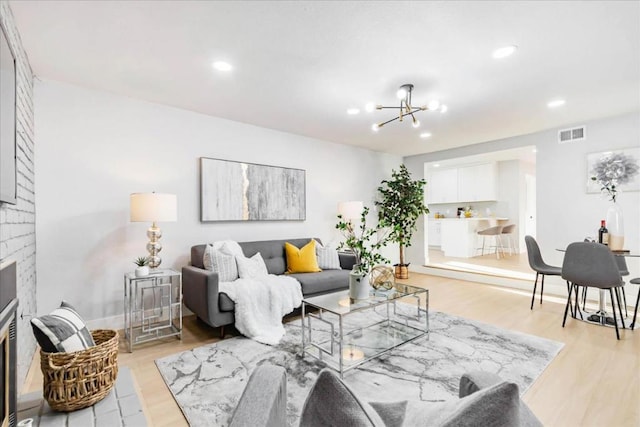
column 594, row 381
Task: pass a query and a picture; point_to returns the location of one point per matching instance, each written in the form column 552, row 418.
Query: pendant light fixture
column 406, row 109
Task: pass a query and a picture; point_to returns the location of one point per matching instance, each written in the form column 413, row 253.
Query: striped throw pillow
column 328, row 258
column 63, row 330
column 220, row 262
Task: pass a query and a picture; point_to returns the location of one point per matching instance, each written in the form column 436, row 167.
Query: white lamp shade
column 153, row 207
column 350, row 210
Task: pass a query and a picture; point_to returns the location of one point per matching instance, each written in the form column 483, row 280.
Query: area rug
column 207, row 381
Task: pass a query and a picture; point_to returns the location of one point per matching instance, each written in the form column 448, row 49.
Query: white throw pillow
column 221, row 262
column 328, row 258
column 251, row 268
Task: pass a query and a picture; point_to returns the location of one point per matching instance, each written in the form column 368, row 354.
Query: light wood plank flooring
column 594, row 381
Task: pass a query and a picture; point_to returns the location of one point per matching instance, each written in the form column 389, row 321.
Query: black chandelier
column 406, row 109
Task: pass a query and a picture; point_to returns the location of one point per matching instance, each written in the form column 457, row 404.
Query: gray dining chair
column 635, row 281
column 592, row 265
column 624, row 271
column 538, row 265
column 494, row 232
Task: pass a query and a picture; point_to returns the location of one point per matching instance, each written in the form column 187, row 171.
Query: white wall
column 17, row 222
column 94, row 149
column 565, row 211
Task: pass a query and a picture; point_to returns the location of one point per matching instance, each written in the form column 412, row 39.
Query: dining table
column 601, row 316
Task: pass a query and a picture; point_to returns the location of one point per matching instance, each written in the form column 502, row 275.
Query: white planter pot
column 142, row 271
column 359, row 287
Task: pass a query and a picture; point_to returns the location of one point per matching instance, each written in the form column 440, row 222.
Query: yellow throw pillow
column 301, row 260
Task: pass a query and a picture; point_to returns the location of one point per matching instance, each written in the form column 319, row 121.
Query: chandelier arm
column 388, row 121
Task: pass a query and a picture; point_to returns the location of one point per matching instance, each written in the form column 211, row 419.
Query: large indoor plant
column 364, row 243
column 400, row 205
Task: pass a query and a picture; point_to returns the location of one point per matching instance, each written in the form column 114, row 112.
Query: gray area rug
column 208, row 381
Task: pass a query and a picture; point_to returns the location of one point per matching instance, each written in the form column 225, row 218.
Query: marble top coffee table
column 346, row 333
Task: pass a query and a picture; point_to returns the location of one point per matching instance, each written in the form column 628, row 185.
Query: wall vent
column 572, row 135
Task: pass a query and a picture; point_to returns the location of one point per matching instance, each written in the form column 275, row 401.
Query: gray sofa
column 200, row 287
column 485, row 400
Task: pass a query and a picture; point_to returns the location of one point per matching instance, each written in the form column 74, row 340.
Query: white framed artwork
column 620, row 165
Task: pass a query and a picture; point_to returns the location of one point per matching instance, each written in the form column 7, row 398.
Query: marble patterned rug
column 207, row 381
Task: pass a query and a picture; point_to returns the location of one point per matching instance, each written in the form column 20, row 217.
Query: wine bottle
column 603, row 233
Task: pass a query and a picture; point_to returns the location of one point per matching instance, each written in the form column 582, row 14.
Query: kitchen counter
column 473, row 218
column 458, row 236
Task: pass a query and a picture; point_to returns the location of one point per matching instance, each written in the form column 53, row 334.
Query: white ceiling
column 300, row 65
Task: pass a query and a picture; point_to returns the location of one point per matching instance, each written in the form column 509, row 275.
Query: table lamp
column 153, row 207
column 350, row 211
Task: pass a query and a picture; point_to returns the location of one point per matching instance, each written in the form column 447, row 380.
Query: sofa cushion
column 225, row 303
column 332, row 403
column 272, row 252
column 328, row 258
column 301, row 260
column 221, row 262
column 325, row 281
column 251, row 268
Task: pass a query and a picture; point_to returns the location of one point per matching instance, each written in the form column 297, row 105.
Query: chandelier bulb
column 443, row 108
column 416, row 123
column 401, row 93
column 375, row 127
column 434, row 105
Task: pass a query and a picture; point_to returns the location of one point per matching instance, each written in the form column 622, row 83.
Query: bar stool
column 508, row 231
column 494, row 232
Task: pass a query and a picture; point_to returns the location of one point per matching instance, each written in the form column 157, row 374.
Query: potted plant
column 401, row 204
column 364, row 243
column 143, row 266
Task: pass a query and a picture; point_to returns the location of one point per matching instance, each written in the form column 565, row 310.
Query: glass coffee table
column 345, row 333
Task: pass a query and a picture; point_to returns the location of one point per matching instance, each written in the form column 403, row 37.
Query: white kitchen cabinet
column 434, row 226
column 442, row 186
column 477, row 183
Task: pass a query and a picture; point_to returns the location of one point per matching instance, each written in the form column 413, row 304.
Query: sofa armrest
column 264, row 399
column 200, row 294
column 347, row 260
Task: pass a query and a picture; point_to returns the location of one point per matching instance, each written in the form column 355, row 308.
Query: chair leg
column 619, row 307
column 222, row 332
column 624, row 298
column 535, row 285
column 584, row 298
column 569, row 292
column 542, row 289
column 613, row 306
column 576, row 307
column 566, row 308
column 635, row 312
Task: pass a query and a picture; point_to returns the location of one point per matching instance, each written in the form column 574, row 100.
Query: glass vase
column 615, row 225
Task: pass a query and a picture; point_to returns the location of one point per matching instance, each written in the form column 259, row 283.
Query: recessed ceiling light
column 369, row 107
column 437, row 165
column 222, row 66
column 556, row 103
column 425, row 135
column 353, row 111
column 505, row 51
column 535, row 150
column 443, row 108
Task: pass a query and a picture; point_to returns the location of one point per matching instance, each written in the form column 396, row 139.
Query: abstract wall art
column 237, row 191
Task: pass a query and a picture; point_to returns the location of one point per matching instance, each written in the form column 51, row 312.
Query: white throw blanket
column 261, row 303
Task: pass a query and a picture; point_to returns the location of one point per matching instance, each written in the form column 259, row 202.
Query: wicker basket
column 77, row 380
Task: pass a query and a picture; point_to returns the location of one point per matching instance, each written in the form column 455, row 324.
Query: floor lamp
column 153, row 207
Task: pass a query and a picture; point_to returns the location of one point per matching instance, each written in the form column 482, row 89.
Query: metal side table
column 152, row 306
